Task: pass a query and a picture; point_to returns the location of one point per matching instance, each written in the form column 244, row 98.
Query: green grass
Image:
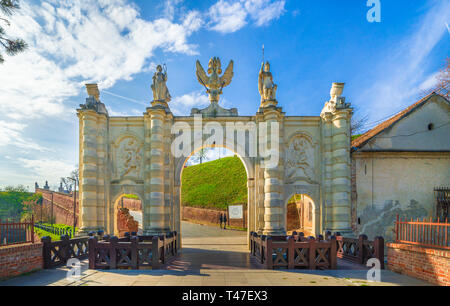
column 215, row 184
column 131, row 196
column 42, row 233
column 355, row 136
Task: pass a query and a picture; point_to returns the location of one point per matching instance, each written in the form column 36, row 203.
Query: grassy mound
column 215, row 184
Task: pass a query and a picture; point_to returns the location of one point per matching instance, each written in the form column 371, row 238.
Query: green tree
column 12, row 46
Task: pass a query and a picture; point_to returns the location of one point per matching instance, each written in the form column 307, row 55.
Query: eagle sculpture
column 214, row 83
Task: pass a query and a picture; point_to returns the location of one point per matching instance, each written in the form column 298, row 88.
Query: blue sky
column 117, row 43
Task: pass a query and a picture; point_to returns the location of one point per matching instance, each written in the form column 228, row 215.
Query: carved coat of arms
column 300, row 160
column 129, row 158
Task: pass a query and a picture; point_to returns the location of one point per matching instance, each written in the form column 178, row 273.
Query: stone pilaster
column 341, row 172
column 156, row 214
column 92, row 170
column 336, row 133
column 251, row 222
column 274, row 218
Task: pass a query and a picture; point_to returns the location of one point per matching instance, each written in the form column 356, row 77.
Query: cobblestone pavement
column 213, row 257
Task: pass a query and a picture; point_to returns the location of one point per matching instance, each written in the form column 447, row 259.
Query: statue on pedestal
column 267, row 88
column 160, row 91
column 214, row 83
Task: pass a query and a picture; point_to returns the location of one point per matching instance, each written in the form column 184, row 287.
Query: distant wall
column 62, row 206
column 20, row 259
column 132, row 204
column 209, row 216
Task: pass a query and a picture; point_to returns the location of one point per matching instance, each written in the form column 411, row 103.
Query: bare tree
column 358, row 124
column 68, row 183
column 75, row 174
column 442, row 86
column 12, row 46
column 201, row 155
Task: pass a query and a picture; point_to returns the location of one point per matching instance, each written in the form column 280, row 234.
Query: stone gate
column 283, row 155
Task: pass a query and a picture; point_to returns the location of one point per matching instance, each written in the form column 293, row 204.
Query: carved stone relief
column 300, row 160
column 129, row 158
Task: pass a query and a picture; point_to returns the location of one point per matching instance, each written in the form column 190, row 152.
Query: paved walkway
column 212, row 257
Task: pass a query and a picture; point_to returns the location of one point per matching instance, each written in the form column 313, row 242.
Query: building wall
column 412, row 134
column 394, row 183
column 429, row 264
column 20, row 259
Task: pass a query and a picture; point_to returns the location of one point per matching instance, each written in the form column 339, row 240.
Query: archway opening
column 128, row 215
column 300, row 215
column 214, row 188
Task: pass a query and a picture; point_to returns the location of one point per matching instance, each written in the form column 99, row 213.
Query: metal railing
column 423, row 233
column 58, row 231
column 12, row 233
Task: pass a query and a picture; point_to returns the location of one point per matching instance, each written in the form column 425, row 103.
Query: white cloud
column 264, row 11
column 182, row 105
column 402, row 77
column 73, row 42
column 227, row 16
column 11, row 135
column 49, row 169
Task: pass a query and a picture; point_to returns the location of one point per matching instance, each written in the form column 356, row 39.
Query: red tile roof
column 363, row 139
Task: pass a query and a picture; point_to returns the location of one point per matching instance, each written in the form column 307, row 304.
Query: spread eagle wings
column 201, row 75
column 228, row 75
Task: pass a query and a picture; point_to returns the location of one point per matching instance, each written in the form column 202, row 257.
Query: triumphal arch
column 283, row 155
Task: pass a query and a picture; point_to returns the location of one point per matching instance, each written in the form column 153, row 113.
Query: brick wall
column 126, row 223
column 208, row 216
column 62, row 206
column 132, row 204
column 19, row 259
column 428, row 264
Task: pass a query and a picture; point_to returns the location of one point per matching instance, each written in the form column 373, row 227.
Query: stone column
column 337, row 169
column 251, row 216
column 341, row 173
column 176, row 211
column 273, row 182
column 102, row 171
column 327, row 168
column 155, row 212
column 92, row 170
column 168, row 174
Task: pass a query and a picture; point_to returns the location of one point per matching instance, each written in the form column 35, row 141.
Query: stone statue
column 214, row 83
column 159, row 87
column 267, row 88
